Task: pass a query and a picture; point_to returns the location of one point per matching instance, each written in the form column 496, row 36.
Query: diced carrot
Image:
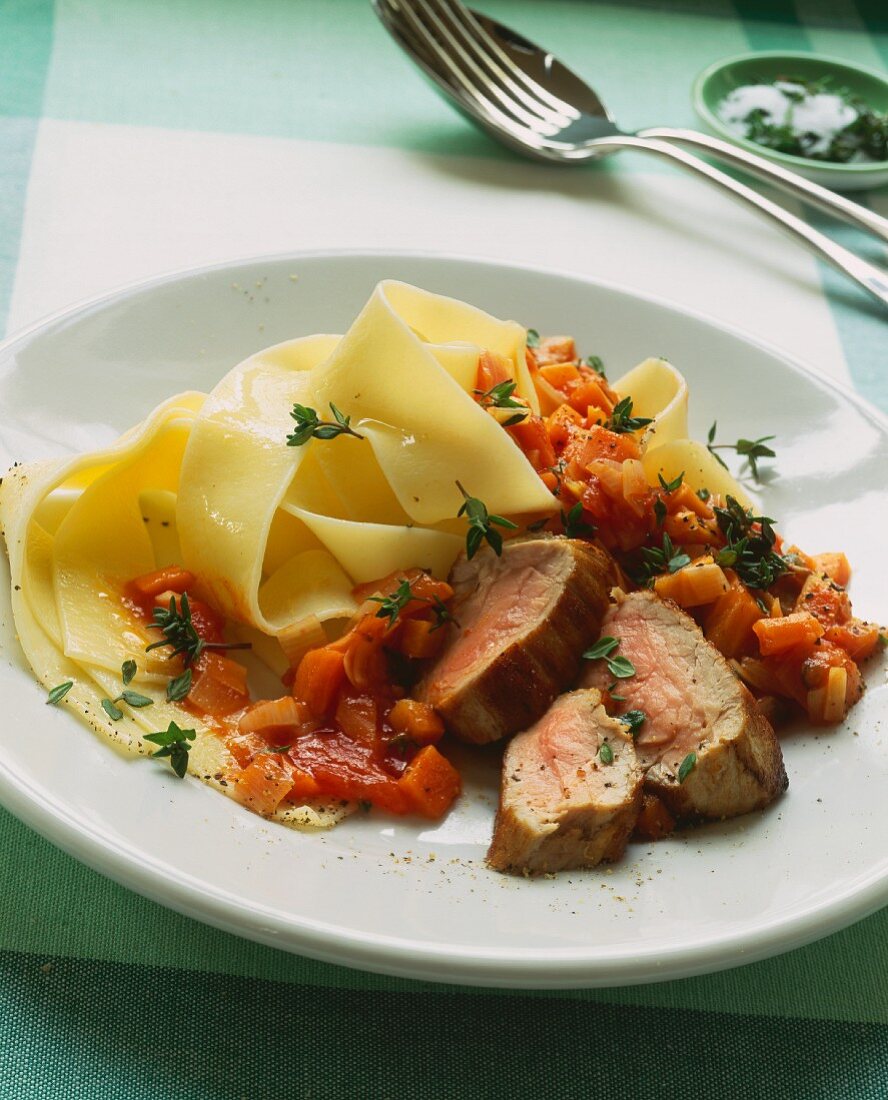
column 598, row 442
column 420, row 638
column 589, row 394
column 426, row 587
column 696, row 584
column 729, row 623
column 559, row 424
column 835, row 566
column 273, row 714
column 655, row 821
column 264, row 784
column 318, row 679
column 824, row 601
column 532, row 437
column 430, row 783
column 420, row 722
column 556, row 349
column 684, row 498
column 857, row 638
column 686, row 527
column 777, row 635
column 560, row 375
column 803, row 559
column 219, row 685
column 173, row 578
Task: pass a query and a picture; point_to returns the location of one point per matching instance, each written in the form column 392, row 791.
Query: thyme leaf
column 751, row 449
column 687, row 766
column 574, row 525
column 481, row 525
column 178, row 688
column 310, row 426
column 58, row 693
column 633, row 720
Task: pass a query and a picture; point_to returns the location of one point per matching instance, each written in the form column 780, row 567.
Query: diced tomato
column 219, row 685
column 348, row 769
column 264, row 784
column 172, row 578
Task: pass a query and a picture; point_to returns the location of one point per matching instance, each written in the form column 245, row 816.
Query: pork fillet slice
column 694, row 704
column 524, row 620
column 561, row 805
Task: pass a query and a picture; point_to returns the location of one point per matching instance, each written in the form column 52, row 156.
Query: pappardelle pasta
column 311, row 508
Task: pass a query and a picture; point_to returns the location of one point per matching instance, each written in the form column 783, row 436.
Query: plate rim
column 538, row 968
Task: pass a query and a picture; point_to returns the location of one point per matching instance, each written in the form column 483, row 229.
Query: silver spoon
column 531, row 102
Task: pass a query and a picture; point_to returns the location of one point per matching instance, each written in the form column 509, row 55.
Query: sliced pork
column 571, row 790
column 524, row 619
column 694, row 704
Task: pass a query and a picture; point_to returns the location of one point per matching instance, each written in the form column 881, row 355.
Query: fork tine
column 451, row 61
column 501, row 67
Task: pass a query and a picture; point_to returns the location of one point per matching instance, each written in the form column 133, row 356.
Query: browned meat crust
column 695, row 704
column 504, row 665
column 561, row 805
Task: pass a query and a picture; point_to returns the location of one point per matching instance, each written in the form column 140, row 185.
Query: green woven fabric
column 104, row 994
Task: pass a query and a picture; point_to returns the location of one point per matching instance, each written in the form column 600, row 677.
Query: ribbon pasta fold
column 278, row 535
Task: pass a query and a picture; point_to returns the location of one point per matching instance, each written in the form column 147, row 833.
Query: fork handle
column 865, row 274
column 791, row 182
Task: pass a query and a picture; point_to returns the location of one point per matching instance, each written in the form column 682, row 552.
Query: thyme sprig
column 666, row 558
column 622, row 421
column 180, row 632
column 481, row 525
column 500, row 397
column 750, row 543
column 575, row 526
column 391, row 606
column 173, row 743
column 751, row 449
column 619, row 667
column 310, row 426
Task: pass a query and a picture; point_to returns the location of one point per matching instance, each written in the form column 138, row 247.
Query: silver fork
column 530, row 101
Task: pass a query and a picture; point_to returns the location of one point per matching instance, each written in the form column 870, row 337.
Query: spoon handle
column 865, row 274
column 791, row 182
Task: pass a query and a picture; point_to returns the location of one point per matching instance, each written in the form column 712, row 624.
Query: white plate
column 407, row 899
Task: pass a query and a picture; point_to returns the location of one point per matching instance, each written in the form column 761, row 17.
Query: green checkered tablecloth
column 138, row 136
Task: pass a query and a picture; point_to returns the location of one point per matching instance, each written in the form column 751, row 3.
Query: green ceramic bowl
column 722, row 77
